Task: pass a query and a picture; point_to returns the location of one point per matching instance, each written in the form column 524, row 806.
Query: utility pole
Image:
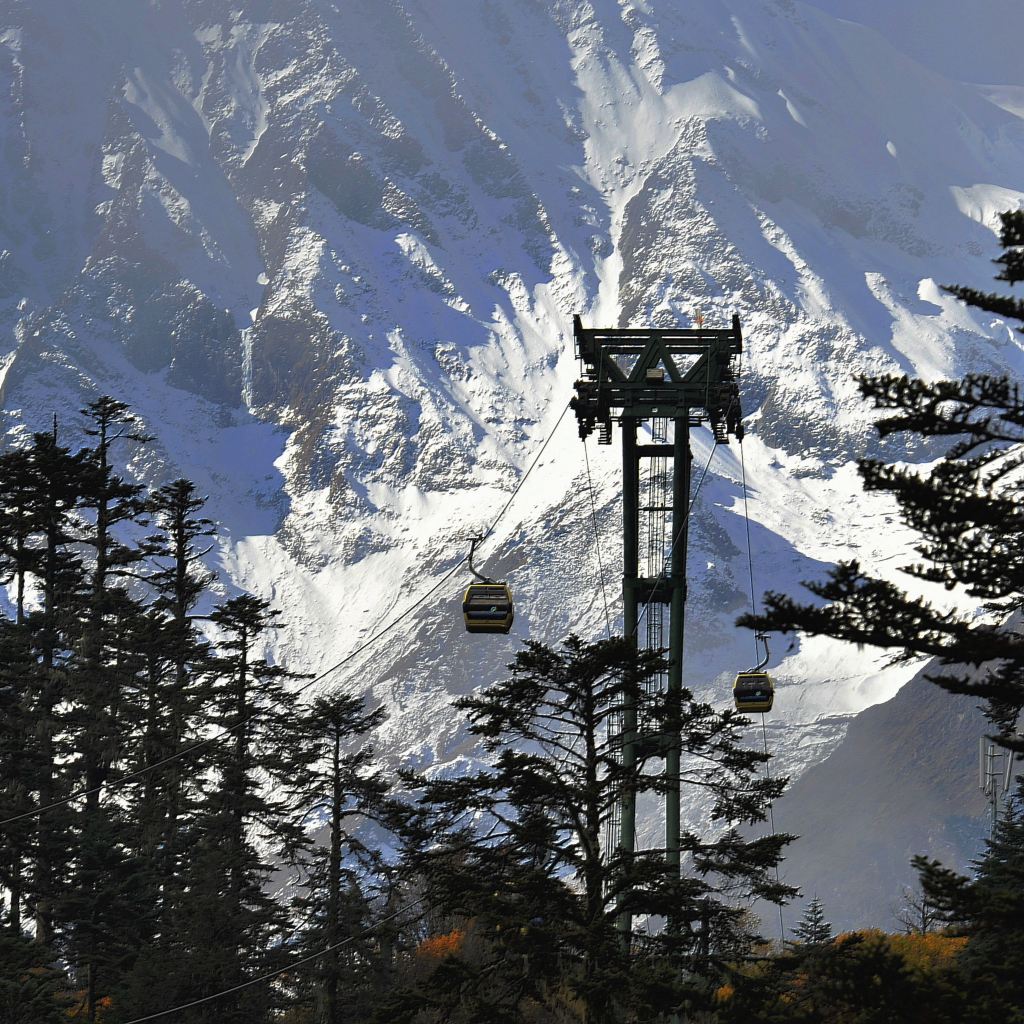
column 675, row 379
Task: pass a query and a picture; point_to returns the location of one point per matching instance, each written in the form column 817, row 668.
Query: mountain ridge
column 330, row 256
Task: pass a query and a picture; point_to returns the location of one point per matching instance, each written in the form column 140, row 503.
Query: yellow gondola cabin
column 487, row 608
column 753, row 691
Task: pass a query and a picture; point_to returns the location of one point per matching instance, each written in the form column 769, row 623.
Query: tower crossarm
column 648, row 372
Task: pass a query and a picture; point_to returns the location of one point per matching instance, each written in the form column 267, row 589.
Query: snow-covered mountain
column 330, row 253
column 903, row 781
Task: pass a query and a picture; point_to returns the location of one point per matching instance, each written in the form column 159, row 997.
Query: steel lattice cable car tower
column 676, row 379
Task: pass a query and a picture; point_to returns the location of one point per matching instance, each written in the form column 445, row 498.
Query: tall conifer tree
column 989, row 910
column 338, row 785
column 968, row 512
column 101, row 678
column 514, row 836
column 19, row 560
column 231, row 925
column 175, row 679
column 58, row 481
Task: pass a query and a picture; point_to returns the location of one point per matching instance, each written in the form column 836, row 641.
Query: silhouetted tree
column 173, row 676
column 33, row 989
column 517, row 848
column 339, row 786
column 232, row 926
column 98, row 902
column 968, row 513
column 989, row 910
column 57, row 479
column 19, row 559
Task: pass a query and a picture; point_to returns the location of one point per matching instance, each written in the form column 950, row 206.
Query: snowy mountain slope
column 906, row 776
column 330, row 253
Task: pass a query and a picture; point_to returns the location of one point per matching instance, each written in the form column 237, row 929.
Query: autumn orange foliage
column 928, row 952
column 925, row 952
column 437, row 947
column 78, row 1011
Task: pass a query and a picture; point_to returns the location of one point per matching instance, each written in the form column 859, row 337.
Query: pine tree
column 173, row 690
column 57, row 481
column 968, row 512
column 813, row 929
column 19, row 524
column 100, row 677
column 173, row 680
column 19, row 558
column 989, row 910
column 33, row 990
column 339, row 785
column 18, row 765
column 518, row 848
column 230, row 926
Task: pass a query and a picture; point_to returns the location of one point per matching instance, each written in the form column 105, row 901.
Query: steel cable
column 753, row 611
column 270, row 975
column 229, row 730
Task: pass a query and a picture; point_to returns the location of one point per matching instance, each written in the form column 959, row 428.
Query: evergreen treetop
column 813, row 929
column 967, row 513
column 989, row 910
column 520, row 848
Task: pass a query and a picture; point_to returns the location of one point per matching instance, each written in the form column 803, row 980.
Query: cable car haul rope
column 754, row 690
column 487, row 607
column 767, row 683
column 179, row 755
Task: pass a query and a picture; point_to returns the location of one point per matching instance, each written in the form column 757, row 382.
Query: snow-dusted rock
column 330, row 253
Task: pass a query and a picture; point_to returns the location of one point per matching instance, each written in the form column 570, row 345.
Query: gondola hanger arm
column 473, row 541
column 762, row 638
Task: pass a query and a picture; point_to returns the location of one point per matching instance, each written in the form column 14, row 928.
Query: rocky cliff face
column 330, row 253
